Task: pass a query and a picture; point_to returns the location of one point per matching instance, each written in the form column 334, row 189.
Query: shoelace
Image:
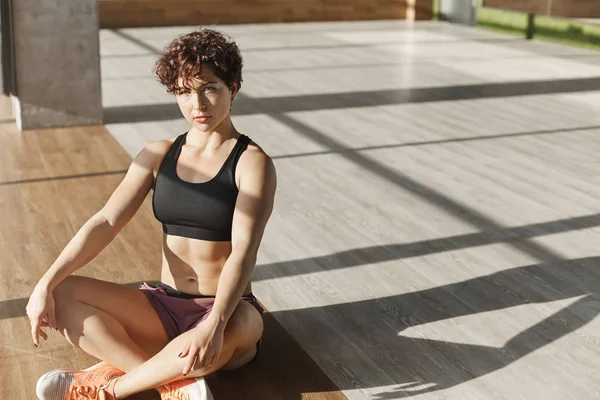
column 177, row 394
column 84, row 393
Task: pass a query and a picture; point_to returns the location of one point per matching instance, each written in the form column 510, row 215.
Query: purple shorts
column 179, row 312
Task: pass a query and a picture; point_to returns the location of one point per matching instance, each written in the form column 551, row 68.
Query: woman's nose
column 198, row 103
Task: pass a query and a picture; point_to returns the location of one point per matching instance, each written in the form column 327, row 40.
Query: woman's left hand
column 205, row 343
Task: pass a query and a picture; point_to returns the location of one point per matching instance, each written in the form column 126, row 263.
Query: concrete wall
column 558, row 8
column 130, row 13
column 57, row 63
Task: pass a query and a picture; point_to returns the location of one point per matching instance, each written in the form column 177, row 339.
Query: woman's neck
column 213, row 139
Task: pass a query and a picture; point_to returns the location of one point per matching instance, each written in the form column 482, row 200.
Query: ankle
column 110, row 390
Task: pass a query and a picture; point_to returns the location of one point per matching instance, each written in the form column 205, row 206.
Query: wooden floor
column 435, row 234
column 51, row 182
column 436, row 227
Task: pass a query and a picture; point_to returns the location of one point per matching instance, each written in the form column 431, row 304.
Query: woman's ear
column 233, row 91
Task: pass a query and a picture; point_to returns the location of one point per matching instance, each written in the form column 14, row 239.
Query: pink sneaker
column 65, row 384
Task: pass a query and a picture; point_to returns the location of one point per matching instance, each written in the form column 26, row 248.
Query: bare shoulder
column 151, row 156
column 255, row 161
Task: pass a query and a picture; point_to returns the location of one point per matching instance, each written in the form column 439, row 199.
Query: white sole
column 59, row 389
column 203, row 392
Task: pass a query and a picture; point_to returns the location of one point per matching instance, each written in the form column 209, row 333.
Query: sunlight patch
column 492, row 328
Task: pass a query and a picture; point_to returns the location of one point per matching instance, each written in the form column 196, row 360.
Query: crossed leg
column 117, row 324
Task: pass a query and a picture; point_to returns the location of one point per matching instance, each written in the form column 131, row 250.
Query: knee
column 245, row 324
column 65, row 291
column 64, row 297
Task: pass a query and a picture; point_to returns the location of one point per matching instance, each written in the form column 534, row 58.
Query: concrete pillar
column 459, row 11
column 57, row 63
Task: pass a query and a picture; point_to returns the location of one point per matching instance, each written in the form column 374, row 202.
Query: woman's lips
column 201, row 119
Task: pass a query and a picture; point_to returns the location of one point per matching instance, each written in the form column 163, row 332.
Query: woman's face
column 206, row 101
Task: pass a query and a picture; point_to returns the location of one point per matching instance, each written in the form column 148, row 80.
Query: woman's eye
column 210, row 89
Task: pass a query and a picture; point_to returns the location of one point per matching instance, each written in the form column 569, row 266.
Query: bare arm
column 103, row 226
column 253, row 209
column 94, row 236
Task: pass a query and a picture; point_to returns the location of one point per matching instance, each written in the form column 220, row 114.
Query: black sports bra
column 197, row 210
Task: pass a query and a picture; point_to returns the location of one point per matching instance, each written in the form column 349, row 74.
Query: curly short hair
column 184, row 57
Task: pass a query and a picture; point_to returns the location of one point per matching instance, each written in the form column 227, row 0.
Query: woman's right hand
column 40, row 311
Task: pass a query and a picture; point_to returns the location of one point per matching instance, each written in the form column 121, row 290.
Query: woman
column 213, row 192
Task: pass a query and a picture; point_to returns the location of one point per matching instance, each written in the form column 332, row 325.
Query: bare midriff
column 194, row 266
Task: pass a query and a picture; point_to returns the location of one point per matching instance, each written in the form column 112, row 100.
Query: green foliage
column 562, row 30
